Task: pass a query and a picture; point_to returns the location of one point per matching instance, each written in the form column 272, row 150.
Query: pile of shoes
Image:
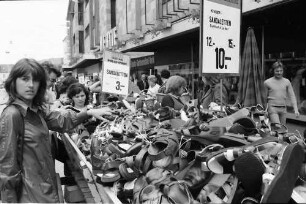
column 202, row 156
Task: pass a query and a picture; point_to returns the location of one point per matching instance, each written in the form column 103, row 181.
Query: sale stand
column 139, row 156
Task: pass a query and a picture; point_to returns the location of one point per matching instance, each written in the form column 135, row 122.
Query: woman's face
column 26, row 87
column 79, row 99
column 182, row 90
column 151, row 83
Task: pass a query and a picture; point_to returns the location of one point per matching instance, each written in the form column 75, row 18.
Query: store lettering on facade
column 108, row 40
column 147, row 61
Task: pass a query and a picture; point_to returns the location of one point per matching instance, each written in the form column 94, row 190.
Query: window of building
column 87, row 31
column 113, row 13
column 73, row 44
column 81, row 11
column 81, row 41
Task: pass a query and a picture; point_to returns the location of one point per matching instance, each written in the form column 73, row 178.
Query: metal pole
column 193, row 72
column 262, row 50
column 200, row 52
column 221, row 84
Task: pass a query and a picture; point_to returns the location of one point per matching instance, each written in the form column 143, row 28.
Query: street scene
column 152, row 101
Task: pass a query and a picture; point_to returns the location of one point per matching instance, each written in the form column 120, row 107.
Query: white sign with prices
column 115, row 73
column 221, row 36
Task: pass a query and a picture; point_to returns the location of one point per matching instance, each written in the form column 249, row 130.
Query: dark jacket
column 142, row 85
column 38, row 171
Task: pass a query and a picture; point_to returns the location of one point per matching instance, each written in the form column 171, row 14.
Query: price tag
column 115, row 73
column 221, row 36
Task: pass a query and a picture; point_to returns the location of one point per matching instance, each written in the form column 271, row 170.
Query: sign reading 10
column 220, row 53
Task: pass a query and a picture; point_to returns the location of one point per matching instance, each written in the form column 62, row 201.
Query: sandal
column 222, row 162
column 220, row 189
column 164, row 144
column 177, row 192
column 249, row 170
column 281, row 187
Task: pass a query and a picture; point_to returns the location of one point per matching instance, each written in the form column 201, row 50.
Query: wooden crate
column 82, row 172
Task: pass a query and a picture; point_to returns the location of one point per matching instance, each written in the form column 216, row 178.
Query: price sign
column 115, row 73
column 221, row 36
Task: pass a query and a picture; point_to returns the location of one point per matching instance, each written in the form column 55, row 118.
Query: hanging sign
column 115, row 73
column 221, row 36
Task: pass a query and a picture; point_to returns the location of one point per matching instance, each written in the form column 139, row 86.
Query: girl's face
column 79, row 99
column 26, row 87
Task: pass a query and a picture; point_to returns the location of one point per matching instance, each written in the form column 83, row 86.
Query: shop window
column 81, row 11
column 113, row 13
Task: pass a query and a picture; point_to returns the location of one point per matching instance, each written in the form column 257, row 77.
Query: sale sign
column 221, row 36
column 115, row 73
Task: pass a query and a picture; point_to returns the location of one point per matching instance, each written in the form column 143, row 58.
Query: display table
column 93, row 192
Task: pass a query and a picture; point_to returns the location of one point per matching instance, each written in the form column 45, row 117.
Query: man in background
column 143, row 83
column 277, row 89
column 53, row 73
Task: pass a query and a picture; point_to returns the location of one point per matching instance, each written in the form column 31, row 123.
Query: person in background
column 53, row 73
column 153, row 86
column 212, row 93
column 133, row 88
column 79, row 96
column 31, row 178
column 277, row 88
column 143, row 83
column 61, row 94
column 175, row 87
column 164, row 74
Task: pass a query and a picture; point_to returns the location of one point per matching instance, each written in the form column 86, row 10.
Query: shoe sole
column 281, row 187
column 249, row 170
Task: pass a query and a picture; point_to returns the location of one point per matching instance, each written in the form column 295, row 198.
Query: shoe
column 282, row 185
column 249, row 170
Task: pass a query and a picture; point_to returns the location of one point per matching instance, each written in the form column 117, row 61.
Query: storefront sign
column 249, row 5
column 143, row 62
column 108, row 40
column 115, row 73
column 221, row 36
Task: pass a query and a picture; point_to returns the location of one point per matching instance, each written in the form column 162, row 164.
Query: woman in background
column 153, row 86
column 175, row 87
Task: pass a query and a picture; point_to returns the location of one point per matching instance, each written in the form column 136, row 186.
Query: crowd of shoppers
column 38, row 104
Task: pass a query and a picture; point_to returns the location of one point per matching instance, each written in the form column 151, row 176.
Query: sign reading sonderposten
column 221, row 36
column 115, row 73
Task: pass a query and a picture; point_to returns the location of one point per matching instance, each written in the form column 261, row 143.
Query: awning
column 85, row 61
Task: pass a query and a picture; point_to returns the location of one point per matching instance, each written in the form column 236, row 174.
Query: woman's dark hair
column 63, row 85
column 77, row 88
column 165, row 74
column 22, row 68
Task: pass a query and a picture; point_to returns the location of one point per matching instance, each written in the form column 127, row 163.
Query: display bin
column 92, row 191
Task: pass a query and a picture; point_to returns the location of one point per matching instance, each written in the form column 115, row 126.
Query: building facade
column 170, row 30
